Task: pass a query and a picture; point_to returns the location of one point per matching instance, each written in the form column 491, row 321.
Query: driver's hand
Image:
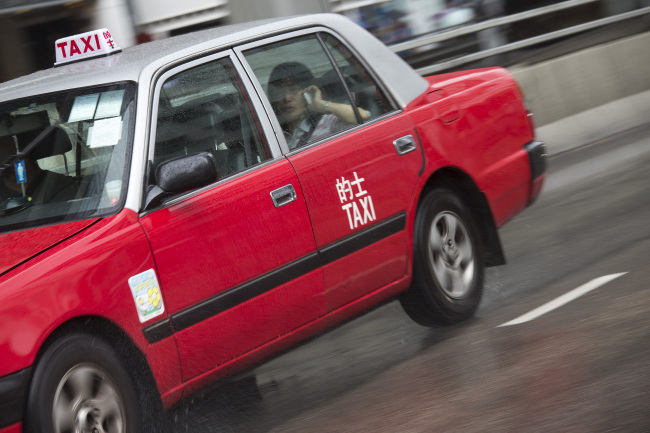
column 317, row 103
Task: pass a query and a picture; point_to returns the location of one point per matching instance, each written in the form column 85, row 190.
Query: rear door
column 359, row 178
column 237, row 260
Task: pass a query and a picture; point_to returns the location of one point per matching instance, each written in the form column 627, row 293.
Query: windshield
column 64, row 155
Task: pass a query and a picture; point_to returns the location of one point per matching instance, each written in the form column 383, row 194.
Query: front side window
column 64, row 155
column 314, row 87
column 205, row 109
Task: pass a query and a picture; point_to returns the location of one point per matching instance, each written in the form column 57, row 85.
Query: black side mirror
column 181, row 174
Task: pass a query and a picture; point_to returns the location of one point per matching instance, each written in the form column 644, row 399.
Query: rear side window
column 205, row 109
column 365, row 91
column 316, row 87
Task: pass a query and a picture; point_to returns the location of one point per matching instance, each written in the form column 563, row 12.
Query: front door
column 237, row 260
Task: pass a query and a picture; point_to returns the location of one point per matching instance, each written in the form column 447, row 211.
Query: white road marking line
column 564, row 299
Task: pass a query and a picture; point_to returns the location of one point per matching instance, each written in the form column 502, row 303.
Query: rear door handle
column 283, row 195
column 404, row 144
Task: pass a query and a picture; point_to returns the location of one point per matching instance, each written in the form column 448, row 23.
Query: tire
column 448, row 262
column 80, row 384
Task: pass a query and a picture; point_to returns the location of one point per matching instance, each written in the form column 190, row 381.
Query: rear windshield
column 64, row 156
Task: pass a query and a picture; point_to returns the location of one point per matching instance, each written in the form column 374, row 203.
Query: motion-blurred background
column 30, row 27
column 583, row 65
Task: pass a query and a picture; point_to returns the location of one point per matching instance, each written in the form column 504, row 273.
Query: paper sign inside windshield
column 110, row 104
column 83, row 108
column 105, row 132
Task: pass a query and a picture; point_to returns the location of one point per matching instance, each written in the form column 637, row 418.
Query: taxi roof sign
column 84, row 46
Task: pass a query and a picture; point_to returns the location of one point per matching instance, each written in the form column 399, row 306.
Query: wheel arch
column 134, row 360
column 460, row 182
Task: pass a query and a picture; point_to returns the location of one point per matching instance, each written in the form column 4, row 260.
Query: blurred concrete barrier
column 565, row 86
column 596, row 123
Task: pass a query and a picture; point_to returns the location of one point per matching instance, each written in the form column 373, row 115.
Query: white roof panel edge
column 141, row 62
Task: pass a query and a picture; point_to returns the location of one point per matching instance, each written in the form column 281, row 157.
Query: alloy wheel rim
column 451, row 255
column 87, row 401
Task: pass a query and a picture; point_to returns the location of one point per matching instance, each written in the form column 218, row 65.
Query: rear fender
column 459, row 182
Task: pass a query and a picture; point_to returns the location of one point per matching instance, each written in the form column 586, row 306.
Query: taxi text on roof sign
column 96, row 43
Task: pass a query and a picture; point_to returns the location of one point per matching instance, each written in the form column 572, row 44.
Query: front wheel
column 448, row 262
column 80, row 385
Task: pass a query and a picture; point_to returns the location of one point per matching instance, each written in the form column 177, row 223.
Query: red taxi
column 179, row 211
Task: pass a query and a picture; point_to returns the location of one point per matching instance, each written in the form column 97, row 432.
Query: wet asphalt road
column 583, row 367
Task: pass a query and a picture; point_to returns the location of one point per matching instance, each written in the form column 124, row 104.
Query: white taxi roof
column 141, row 62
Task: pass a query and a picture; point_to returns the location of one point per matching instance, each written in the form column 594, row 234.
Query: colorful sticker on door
column 146, row 294
column 356, row 201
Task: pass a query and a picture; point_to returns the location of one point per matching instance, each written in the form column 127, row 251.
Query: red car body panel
column 95, row 264
column 285, row 341
column 381, row 186
column 20, row 246
column 486, row 139
column 190, row 267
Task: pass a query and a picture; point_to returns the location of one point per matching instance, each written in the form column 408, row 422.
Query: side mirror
column 181, row 174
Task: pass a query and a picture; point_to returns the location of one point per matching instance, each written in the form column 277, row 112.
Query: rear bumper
column 537, row 156
column 13, row 392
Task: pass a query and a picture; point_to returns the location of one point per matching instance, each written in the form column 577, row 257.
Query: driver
column 303, row 113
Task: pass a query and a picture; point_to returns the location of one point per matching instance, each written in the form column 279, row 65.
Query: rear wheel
column 80, row 385
column 448, row 262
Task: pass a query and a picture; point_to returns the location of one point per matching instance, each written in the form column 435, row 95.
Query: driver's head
column 288, row 76
column 290, row 73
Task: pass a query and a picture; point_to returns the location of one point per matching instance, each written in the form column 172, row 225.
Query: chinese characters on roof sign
column 87, row 45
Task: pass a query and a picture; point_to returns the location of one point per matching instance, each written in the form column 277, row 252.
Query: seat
column 56, row 143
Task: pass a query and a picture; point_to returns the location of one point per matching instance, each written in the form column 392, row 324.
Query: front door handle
column 404, row 144
column 283, row 195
